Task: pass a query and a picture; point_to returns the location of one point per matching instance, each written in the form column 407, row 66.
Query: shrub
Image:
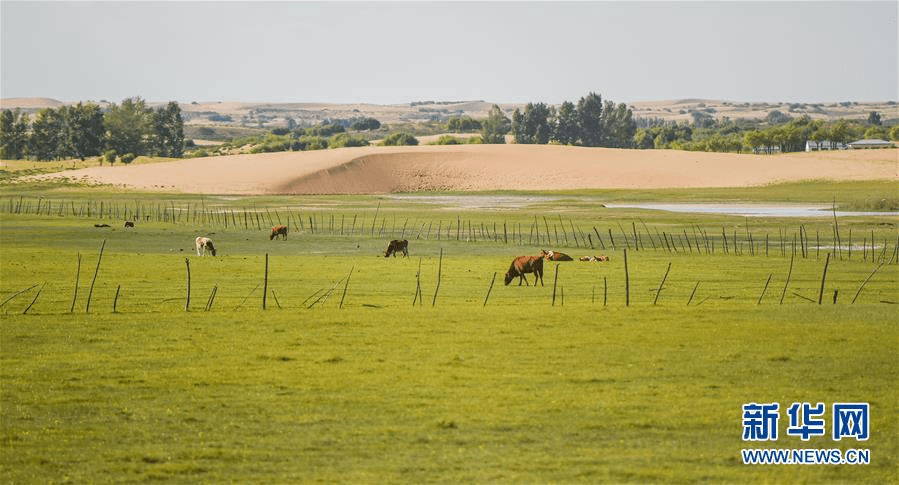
column 345, row 140
column 447, row 140
column 399, row 139
column 325, row 130
column 365, row 124
column 128, row 158
column 314, row 142
column 109, row 155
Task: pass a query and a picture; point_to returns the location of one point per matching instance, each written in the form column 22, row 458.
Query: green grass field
column 346, row 381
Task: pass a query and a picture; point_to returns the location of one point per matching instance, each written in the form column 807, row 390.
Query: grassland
column 610, row 380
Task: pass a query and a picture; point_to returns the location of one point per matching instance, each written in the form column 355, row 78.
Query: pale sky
column 504, row 52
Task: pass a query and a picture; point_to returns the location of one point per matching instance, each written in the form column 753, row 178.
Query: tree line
column 591, row 122
column 122, row 131
column 778, row 132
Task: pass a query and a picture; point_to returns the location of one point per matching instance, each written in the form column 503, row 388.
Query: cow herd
column 519, row 267
column 534, row 264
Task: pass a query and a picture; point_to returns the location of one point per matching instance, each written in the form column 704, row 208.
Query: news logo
column 806, row 421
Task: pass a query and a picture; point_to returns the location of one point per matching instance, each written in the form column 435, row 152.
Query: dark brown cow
column 278, row 231
column 395, row 246
column 129, row 224
column 555, row 256
column 525, row 264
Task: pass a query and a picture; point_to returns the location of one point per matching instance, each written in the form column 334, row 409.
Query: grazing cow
column 129, row 224
column 525, row 264
column 278, row 231
column 554, row 256
column 395, row 246
column 101, row 225
column 204, row 244
column 594, row 258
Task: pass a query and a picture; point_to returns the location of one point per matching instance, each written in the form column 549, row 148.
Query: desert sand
column 379, row 170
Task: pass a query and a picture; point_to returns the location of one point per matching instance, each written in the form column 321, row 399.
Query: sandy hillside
column 374, row 170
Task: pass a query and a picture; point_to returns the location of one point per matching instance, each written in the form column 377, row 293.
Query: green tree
column 534, row 125
column 874, row 118
column 47, row 135
column 129, row 126
column 365, row 124
column 463, row 124
column 168, row 131
column 495, row 127
column 567, row 129
column 13, row 134
column 875, row 133
column 776, row 117
column 619, row 126
column 589, row 113
column 86, row 130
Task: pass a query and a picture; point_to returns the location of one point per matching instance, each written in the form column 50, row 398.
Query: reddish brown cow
column 278, row 231
column 555, row 256
column 525, row 264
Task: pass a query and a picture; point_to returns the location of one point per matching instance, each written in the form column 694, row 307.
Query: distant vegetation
column 124, row 132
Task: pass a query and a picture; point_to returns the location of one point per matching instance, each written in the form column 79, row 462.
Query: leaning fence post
column 864, row 283
column 692, row 293
column 39, row 290
column 823, row 277
column 345, row 286
column 490, row 288
column 790, row 272
column 90, row 293
column 764, row 290
column 659, row 291
column 212, row 298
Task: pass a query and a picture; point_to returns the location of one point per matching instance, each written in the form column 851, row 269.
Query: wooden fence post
column 555, row 281
column 659, row 291
column 265, row 282
column 90, row 293
column 77, row 276
column 490, row 288
column 439, row 271
column 627, row 283
column 790, row 272
column 187, row 303
column 823, row 277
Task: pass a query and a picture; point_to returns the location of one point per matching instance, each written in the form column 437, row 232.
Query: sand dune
column 375, row 170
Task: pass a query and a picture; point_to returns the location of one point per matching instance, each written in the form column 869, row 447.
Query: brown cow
column 525, row 264
column 395, row 246
column 594, row 258
column 555, row 256
column 129, row 224
column 278, row 231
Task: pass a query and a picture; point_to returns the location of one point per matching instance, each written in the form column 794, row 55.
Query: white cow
column 204, row 244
